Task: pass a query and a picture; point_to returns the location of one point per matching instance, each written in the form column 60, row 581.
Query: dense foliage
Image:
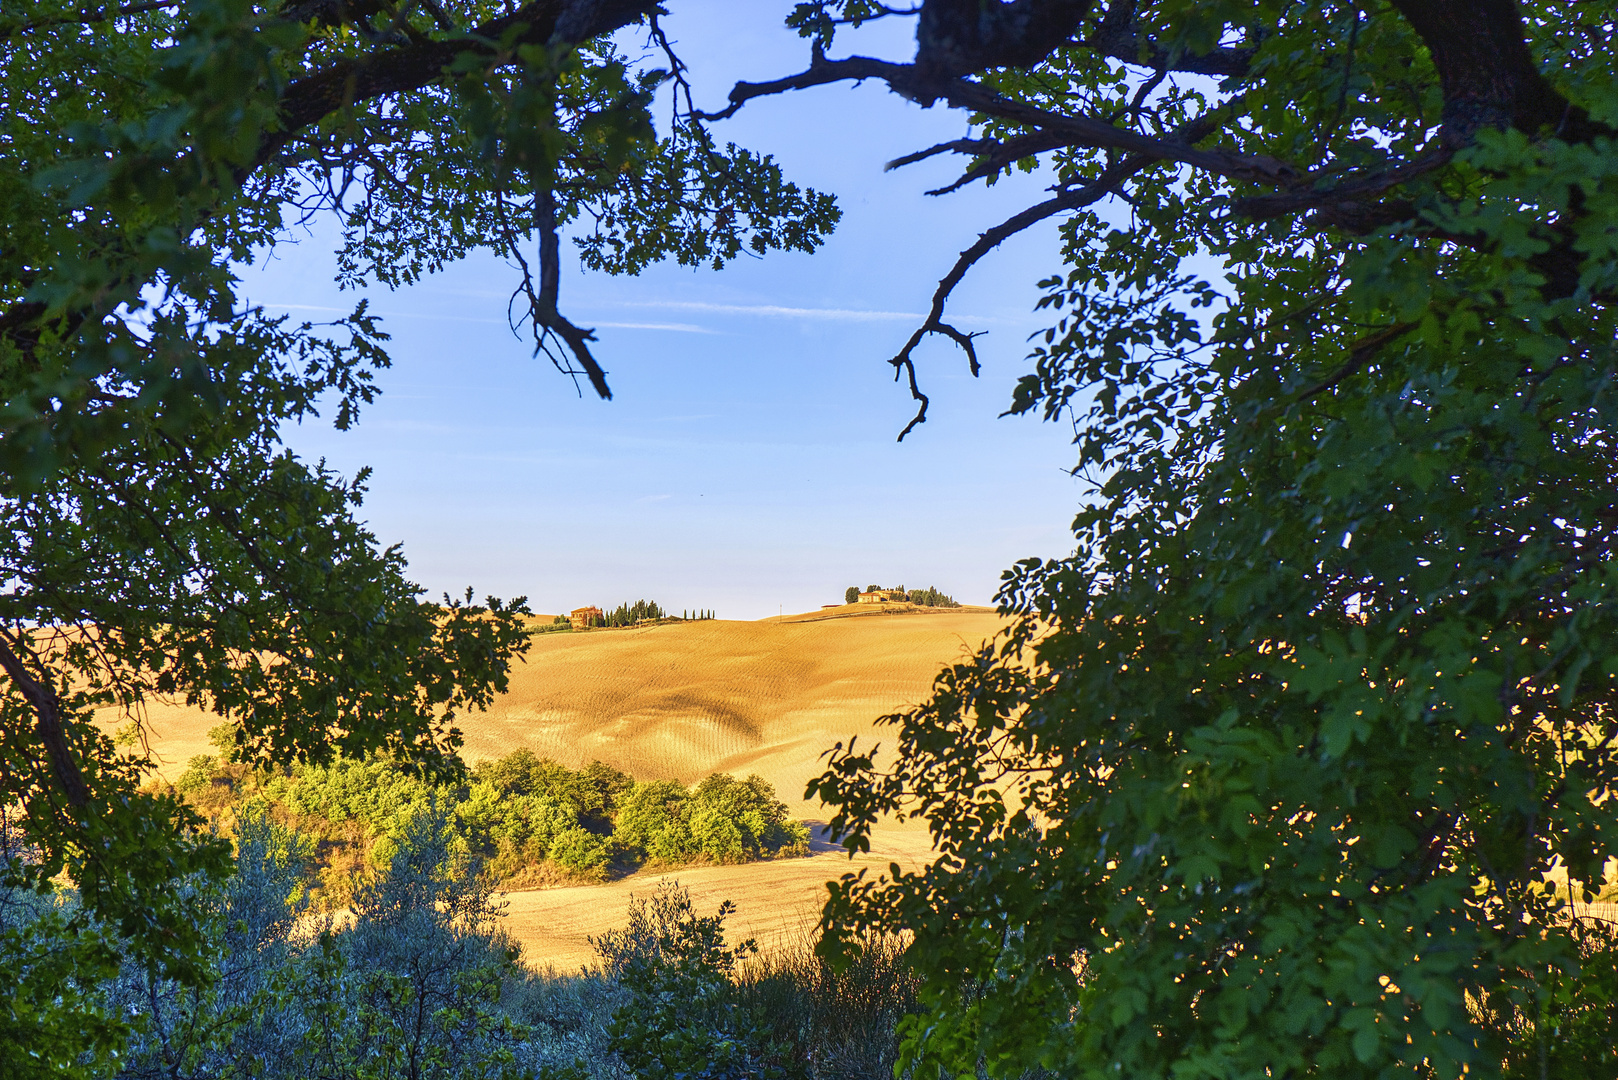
column 157, row 539
column 423, row 982
column 1270, row 773
column 1268, row 776
column 521, row 820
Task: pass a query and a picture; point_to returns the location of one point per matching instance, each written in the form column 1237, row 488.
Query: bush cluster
column 522, row 819
column 422, row 981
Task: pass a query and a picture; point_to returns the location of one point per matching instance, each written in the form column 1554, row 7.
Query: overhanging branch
column 1076, row 131
column 1093, row 192
column 48, row 724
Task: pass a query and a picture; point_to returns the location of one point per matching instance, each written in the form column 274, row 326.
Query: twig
column 1086, row 131
column 88, row 15
column 988, row 241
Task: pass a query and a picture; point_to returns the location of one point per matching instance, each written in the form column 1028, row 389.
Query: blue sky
column 748, row 461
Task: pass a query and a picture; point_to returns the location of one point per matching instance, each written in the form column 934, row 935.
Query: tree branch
column 997, row 155
column 1488, row 76
column 87, row 15
column 1092, row 192
column 1118, row 36
column 1347, row 197
column 48, row 716
column 959, row 37
column 1358, row 354
column 412, row 66
column 547, row 319
column 1085, row 131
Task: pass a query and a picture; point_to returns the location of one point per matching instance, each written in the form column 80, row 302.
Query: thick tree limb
column 87, row 16
column 313, row 97
column 48, row 724
column 960, row 37
column 1358, row 355
column 1346, row 196
column 1488, row 76
column 1118, row 36
column 1085, row 131
column 542, row 304
column 414, row 65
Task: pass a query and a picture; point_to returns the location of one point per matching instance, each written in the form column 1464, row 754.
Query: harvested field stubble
column 680, row 701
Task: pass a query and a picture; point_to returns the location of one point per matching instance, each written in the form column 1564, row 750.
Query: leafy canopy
column 1267, row 777
column 157, row 539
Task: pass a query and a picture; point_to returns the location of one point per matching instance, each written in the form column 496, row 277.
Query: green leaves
column 157, row 541
column 1283, row 751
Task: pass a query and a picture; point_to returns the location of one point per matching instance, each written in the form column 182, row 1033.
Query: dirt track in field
column 685, row 700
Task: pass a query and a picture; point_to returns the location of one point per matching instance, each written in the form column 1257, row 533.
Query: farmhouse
column 585, row 617
column 882, row 596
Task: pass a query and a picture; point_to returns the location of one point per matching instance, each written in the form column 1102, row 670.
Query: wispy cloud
column 776, row 311
column 680, row 328
column 762, row 311
column 383, row 314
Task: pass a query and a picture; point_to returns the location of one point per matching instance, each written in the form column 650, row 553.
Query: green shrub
column 724, row 820
column 653, row 822
column 733, row 820
column 681, row 1017
column 524, row 818
column 590, row 794
column 582, row 852
column 198, row 772
column 374, row 791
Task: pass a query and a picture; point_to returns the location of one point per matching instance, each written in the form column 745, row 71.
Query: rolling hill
column 681, row 701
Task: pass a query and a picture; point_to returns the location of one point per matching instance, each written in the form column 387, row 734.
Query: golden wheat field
column 683, row 700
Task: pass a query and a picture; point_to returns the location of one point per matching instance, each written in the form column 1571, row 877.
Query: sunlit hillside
column 684, row 700
column 681, row 701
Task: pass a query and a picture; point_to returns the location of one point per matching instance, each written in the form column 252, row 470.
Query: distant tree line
column 522, row 819
column 630, row 614
column 928, row 597
column 640, row 611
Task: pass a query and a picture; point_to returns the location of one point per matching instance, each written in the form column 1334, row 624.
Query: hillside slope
column 681, row 701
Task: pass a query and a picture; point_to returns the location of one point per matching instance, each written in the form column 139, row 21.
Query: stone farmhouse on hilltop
column 585, row 617
column 883, row 596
